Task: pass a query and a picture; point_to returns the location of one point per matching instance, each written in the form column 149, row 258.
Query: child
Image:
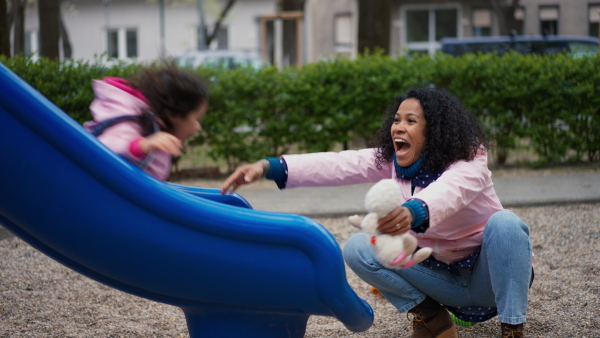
column 147, row 118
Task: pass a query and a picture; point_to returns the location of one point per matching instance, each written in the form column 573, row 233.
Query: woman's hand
column 245, row 174
column 396, row 222
column 162, row 141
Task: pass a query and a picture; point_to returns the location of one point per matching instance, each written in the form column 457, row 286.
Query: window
column 131, row 41
column 32, row 43
column 583, row 48
column 417, row 26
column 201, row 36
column 113, row 44
column 594, row 19
column 220, row 41
column 519, row 21
column 482, row 22
column 223, row 38
column 122, row 43
column 548, row 16
column 342, row 32
column 425, row 26
column 446, row 23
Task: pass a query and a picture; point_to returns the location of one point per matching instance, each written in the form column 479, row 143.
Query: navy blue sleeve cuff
column 278, row 171
column 420, row 214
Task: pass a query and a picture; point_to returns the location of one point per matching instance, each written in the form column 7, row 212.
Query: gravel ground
column 41, row 298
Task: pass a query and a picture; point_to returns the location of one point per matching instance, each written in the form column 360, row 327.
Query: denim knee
column 506, row 222
column 505, row 232
column 356, row 251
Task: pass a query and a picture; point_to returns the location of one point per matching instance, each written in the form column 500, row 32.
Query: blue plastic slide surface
column 234, row 271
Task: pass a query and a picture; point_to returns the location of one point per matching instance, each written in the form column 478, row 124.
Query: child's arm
column 165, row 142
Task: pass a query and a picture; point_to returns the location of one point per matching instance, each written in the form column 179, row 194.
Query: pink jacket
column 113, row 99
column 460, row 202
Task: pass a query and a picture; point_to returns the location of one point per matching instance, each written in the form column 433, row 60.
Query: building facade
column 134, row 30
column 418, row 25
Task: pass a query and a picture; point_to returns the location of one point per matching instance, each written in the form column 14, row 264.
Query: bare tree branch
column 66, row 42
column 219, row 22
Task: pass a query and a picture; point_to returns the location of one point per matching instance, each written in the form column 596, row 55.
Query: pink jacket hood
column 113, row 99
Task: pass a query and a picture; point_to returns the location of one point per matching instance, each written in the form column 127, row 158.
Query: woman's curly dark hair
column 171, row 91
column 452, row 133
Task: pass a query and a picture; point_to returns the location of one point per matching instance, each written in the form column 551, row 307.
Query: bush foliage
column 552, row 102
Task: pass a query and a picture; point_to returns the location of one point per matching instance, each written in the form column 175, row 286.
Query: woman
column 481, row 265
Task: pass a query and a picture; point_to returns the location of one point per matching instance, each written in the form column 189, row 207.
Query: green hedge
column 551, row 103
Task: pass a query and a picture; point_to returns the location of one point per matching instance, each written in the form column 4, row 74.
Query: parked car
column 229, row 59
column 550, row 44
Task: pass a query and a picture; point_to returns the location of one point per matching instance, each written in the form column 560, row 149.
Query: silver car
column 228, row 59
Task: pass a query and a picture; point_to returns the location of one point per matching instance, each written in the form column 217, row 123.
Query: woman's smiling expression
column 408, row 132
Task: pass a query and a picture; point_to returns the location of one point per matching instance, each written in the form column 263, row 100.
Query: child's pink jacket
column 114, row 99
column 460, row 202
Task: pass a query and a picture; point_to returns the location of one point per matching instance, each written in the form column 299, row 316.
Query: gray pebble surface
column 41, row 298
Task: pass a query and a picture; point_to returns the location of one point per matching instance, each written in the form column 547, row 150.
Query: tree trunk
column 374, row 25
column 219, row 22
column 4, row 31
column 18, row 27
column 49, row 13
column 66, row 42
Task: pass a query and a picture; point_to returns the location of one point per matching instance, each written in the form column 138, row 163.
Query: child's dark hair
column 452, row 133
column 170, row 91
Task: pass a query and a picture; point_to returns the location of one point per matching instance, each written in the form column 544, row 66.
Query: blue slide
column 234, row 271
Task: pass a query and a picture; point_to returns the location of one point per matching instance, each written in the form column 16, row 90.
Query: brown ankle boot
column 512, row 331
column 431, row 320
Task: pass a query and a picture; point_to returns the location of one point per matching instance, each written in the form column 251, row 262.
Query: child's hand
column 162, row 141
column 245, row 174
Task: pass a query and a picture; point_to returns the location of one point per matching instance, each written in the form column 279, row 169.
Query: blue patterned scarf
column 413, row 173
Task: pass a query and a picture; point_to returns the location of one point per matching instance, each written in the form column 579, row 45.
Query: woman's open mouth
column 402, row 147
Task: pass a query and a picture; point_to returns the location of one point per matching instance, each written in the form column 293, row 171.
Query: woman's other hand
column 396, row 222
column 245, row 174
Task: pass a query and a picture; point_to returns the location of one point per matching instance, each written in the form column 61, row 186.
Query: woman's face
column 408, row 132
column 188, row 126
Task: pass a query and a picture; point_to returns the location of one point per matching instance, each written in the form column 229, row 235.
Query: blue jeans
column 500, row 278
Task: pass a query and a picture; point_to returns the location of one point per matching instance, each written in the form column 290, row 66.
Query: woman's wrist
column 419, row 211
column 277, row 171
column 266, row 167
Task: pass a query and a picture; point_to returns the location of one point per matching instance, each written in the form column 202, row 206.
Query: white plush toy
column 395, row 252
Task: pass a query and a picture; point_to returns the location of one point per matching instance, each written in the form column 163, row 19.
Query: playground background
column 41, row 298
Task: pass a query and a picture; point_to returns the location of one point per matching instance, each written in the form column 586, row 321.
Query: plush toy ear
column 410, row 243
column 422, row 254
column 383, row 197
column 419, row 256
column 369, row 223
